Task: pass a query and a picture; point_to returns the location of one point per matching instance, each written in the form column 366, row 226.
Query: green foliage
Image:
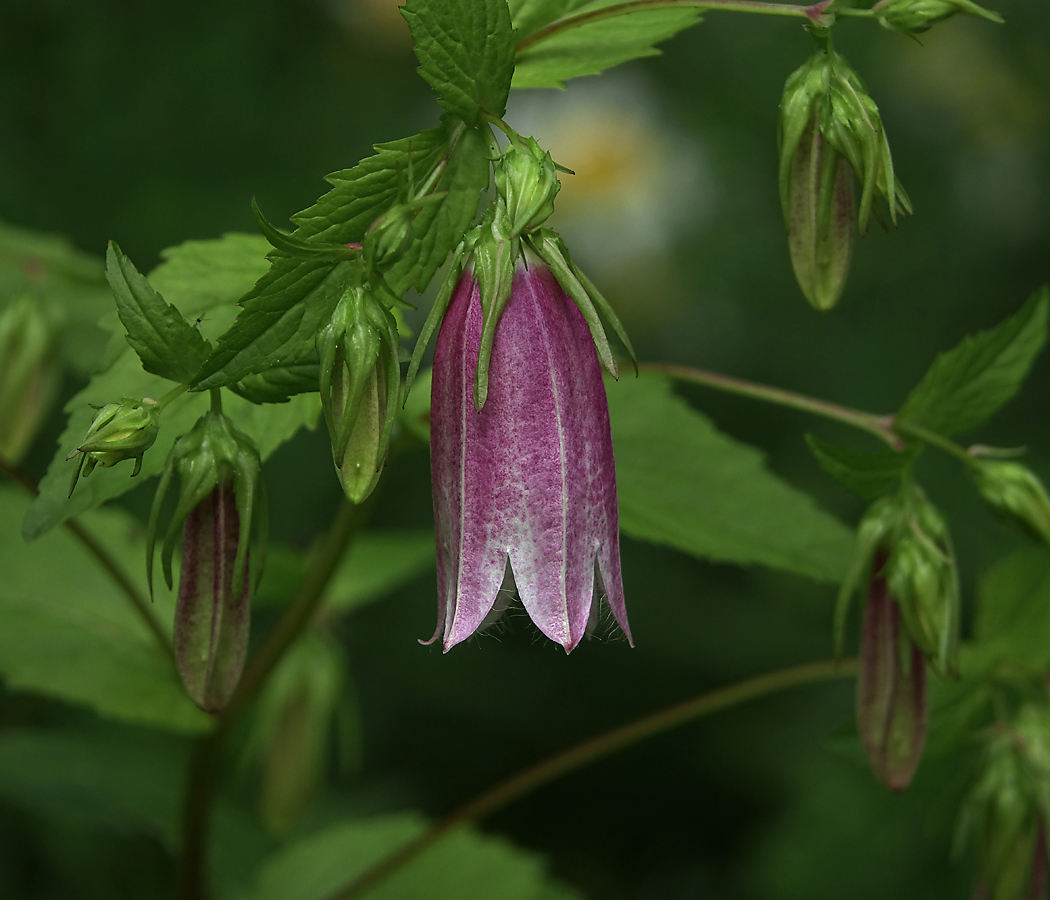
column 70, row 633
column 868, row 475
column 279, row 383
column 592, row 41
column 165, row 342
column 1013, row 609
column 283, row 313
column 378, row 563
column 50, row 267
column 969, row 383
column 197, row 277
column 464, row 865
column 684, row 484
column 466, row 53
column 529, row 16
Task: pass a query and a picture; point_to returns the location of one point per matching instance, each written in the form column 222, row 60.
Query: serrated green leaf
column 868, row 475
column 202, row 279
column 593, row 40
column 684, row 484
column 466, row 53
column 279, row 384
column 966, row 385
column 1013, row 608
column 279, row 320
column 378, row 563
column 70, row 633
column 464, row 864
column 165, row 342
column 282, row 315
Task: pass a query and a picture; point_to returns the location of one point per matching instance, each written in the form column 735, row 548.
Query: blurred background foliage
column 152, row 124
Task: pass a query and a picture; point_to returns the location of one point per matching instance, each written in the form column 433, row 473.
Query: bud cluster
column 1013, row 490
column 1004, row 818
column 119, row 431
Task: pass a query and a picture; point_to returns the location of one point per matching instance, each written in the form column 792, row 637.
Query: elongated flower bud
column 820, row 219
column 221, row 498
column 529, row 480
column 29, row 372
column 212, row 615
column 360, row 382
column 891, row 689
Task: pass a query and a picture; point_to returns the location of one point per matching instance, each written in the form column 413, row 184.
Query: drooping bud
column 527, row 181
column 825, row 94
column 360, row 383
column 917, row 16
column 29, row 372
column 891, row 688
column 296, row 715
column 820, row 219
column 119, row 431
column 221, row 509
column 1004, row 818
column 1014, row 490
column 920, row 573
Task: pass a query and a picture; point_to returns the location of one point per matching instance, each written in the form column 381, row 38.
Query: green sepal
column 436, row 315
column 549, row 247
column 297, row 247
column 495, row 260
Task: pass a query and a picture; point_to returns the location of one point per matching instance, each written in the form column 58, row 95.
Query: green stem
column 171, row 395
column 102, row 556
column 216, row 401
column 207, row 755
column 907, row 429
column 879, row 426
column 812, row 13
column 595, row 749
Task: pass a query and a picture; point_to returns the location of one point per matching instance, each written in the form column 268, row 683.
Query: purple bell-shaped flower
column 528, row 480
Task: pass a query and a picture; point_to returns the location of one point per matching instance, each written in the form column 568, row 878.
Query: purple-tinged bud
column 119, row 431
column 891, row 689
column 1014, row 490
column 529, row 480
column 222, row 512
column 820, row 219
column 212, row 615
column 917, row 16
column 1004, row 817
column 359, row 381
column 29, row 372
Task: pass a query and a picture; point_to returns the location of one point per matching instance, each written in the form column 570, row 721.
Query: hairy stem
column 597, row 748
column 207, row 755
column 880, row 426
column 105, row 560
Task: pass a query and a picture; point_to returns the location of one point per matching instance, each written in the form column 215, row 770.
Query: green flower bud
column 820, row 219
column 1004, row 817
column 917, row 16
column 1013, row 490
column 922, row 577
column 119, row 431
column 388, row 237
column 29, row 372
column 296, row 715
column 360, row 380
column 221, row 510
column 527, row 181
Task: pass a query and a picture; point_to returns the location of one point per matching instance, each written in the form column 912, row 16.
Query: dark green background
column 153, row 123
